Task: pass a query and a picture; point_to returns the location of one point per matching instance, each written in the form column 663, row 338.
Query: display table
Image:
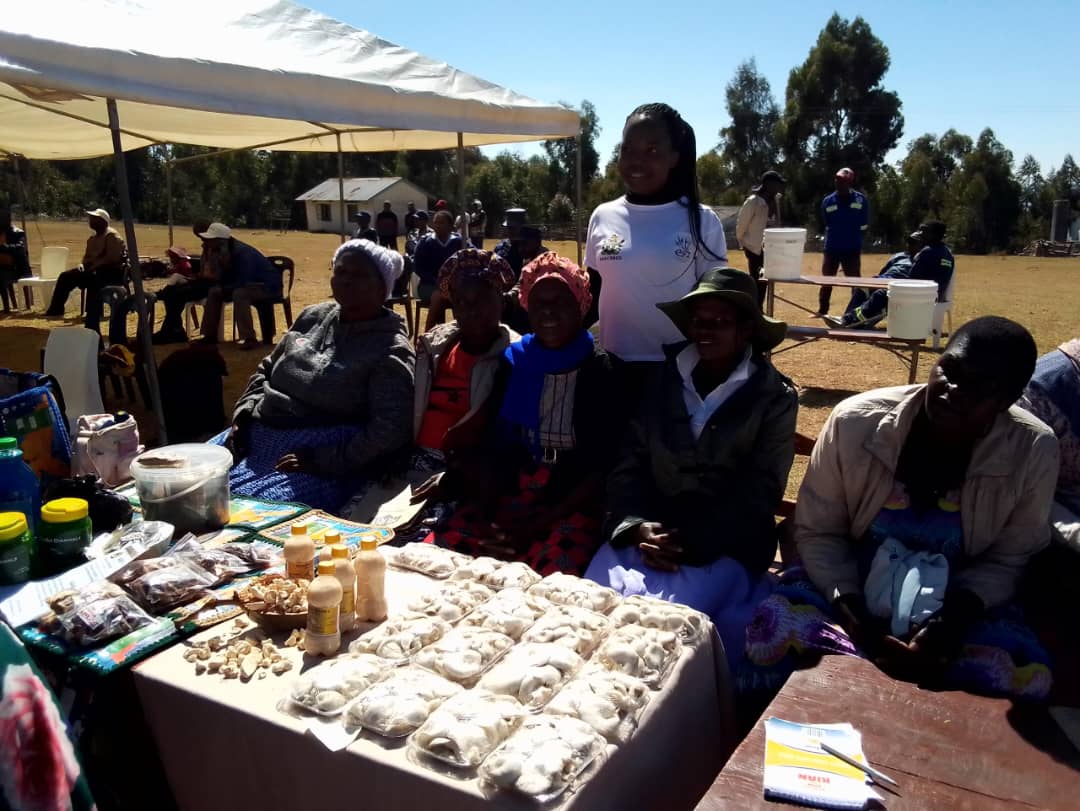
column 945, row 749
column 225, row 745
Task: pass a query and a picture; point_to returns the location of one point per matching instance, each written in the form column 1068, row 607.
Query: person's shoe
column 834, row 322
column 821, row 314
column 169, row 337
column 247, row 345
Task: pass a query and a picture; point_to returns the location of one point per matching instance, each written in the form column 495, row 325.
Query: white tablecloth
column 225, row 745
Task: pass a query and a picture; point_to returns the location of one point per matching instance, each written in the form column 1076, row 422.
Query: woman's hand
column 866, row 632
column 658, row 546
column 299, row 461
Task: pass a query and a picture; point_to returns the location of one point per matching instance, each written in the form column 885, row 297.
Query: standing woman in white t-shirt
column 652, row 244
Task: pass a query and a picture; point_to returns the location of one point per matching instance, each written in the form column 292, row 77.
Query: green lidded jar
column 16, row 547
column 62, row 535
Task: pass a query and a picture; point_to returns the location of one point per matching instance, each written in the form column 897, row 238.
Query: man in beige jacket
column 760, row 211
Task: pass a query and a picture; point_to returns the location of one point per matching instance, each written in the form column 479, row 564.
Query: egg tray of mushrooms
column 426, row 558
column 565, row 589
column 452, row 601
column 243, row 657
column 464, row 655
column 275, row 600
column 644, row 653
column 497, row 574
column 608, row 701
column 399, row 704
column 543, row 758
column 689, row 625
column 400, row 638
column 511, row 612
column 579, row 629
column 326, row 688
column 466, row 728
column 532, row 672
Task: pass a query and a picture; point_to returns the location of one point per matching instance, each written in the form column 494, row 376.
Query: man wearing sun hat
column 846, row 215
column 692, row 500
column 102, row 266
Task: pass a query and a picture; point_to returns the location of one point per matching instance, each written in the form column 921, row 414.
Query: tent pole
column 579, row 182
column 461, row 187
column 168, row 191
column 22, row 198
column 341, row 186
column 133, row 261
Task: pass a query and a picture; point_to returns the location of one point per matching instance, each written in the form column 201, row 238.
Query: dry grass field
column 1042, row 294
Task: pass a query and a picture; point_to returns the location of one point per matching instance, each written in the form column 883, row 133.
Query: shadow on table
column 1035, row 725
column 814, row 397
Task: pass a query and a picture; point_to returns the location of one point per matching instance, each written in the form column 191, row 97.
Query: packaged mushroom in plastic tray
column 464, row 655
column 498, row 574
column 510, row 612
column 565, row 589
column 451, row 601
column 466, row 728
column 98, row 613
column 162, row 589
column 650, row 612
column 532, row 672
column 579, row 629
column 543, row 758
column 608, row 701
column 426, row 558
column 398, row 705
column 400, row 638
column 644, row 653
column 326, row 688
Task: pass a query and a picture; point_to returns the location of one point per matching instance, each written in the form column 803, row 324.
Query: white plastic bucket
column 53, row 262
column 911, row 308
column 783, row 252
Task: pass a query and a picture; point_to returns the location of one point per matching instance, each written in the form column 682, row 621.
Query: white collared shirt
column 700, row 410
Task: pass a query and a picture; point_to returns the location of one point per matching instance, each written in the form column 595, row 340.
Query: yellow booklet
column 798, row 770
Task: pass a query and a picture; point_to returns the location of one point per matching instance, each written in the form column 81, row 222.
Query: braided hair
column 682, row 182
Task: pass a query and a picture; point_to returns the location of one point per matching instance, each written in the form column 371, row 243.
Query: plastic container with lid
column 62, row 535
column 186, row 485
column 16, row 549
column 370, row 567
column 323, row 635
column 299, row 554
column 343, row 571
column 20, row 490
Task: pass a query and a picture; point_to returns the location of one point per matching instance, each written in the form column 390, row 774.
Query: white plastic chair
column 53, row 262
column 71, row 356
column 942, row 309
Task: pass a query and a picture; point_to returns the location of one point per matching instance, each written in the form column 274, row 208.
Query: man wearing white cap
column 246, row 276
column 102, row 266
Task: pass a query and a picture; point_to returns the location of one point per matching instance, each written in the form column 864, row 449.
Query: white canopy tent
column 80, row 79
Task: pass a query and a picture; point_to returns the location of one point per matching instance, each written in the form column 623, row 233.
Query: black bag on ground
column 192, row 394
column 107, row 509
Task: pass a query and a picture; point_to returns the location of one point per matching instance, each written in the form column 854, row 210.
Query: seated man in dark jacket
column 14, row 263
column 691, row 504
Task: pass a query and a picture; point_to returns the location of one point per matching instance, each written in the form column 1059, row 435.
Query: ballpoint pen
column 874, row 774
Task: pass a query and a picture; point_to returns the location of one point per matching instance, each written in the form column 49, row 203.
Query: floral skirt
column 567, row 545
column 1000, row 656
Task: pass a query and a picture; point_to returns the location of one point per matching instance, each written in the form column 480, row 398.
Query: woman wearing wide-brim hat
column 692, row 502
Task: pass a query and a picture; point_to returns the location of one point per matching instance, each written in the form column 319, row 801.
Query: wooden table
column 946, row 750
column 905, row 349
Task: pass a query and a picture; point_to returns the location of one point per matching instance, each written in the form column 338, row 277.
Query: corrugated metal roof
column 357, row 189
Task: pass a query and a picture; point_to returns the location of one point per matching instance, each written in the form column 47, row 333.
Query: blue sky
column 1014, row 67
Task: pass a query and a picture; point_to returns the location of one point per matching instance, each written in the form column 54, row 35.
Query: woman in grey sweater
column 331, row 406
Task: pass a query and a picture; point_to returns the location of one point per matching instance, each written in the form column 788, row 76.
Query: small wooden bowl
column 278, row 622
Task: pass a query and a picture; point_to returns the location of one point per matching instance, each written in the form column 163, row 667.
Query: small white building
column 361, row 194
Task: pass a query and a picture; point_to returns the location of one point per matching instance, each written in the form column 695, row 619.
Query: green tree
column 985, row 198
column 714, row 179
column 562, row 152
column 837, row 113
column 748, row 145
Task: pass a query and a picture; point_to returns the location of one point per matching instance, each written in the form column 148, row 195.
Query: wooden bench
column 907, row 350
column 945, row 749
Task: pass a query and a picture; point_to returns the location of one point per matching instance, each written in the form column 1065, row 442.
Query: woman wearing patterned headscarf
column 457, row 365
column 330, row 407
column 538, row 494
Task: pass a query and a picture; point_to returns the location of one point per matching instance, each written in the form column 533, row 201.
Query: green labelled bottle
column 16, row 549
column 62, row 535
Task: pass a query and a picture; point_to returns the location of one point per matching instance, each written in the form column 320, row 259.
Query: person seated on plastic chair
column 934, row 262
column 14, row 263
column 103, row 265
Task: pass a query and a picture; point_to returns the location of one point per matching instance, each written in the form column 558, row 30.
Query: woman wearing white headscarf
column 331, row 406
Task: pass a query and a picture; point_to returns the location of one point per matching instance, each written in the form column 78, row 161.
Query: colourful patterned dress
column 999, row 656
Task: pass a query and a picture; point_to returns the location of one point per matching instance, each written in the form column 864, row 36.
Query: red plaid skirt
column 568, row 546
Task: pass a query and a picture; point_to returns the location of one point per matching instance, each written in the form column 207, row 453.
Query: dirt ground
column 1041, row 293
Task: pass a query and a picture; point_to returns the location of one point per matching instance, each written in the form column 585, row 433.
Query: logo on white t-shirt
column 684, row 246
column 611, row 247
